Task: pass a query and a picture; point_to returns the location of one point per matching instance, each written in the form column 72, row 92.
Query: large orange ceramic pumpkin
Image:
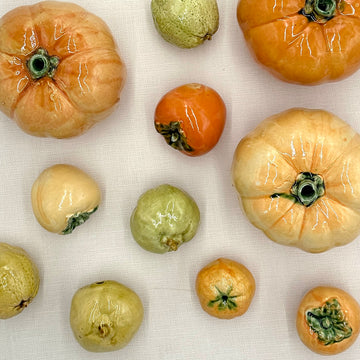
column 303, row 41
column 297, row 177
column 60, row 72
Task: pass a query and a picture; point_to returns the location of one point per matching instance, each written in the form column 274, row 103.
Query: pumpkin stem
column 40, row 64
column 308, row 188
column 319, row 10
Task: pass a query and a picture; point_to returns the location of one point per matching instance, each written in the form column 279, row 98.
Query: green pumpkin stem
column 307, row 188
column 319, row 10
column 40, row 64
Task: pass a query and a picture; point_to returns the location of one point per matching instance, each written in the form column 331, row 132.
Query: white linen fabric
column 126, row 156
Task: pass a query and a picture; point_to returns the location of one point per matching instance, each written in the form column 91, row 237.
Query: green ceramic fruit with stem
column 165, row 217
column 19, row 280
column 105, row 316
column 185, row 23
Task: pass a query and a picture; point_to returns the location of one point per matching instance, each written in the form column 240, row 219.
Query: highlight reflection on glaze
column 299, row 188
column 307, row 42
column 60, row 70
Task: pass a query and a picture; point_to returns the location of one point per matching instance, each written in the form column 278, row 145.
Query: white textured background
column 126, row 156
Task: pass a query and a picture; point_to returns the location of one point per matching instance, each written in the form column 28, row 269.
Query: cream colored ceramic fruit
column 63, row 197
column 328, row 320
column 19, row 280
column 298, row 179
column 105, row 315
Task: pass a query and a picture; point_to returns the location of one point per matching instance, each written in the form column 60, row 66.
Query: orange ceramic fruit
column 328, row 320
column 60, row 72
column 191, row 118
column 225, row 288
column 303, row 41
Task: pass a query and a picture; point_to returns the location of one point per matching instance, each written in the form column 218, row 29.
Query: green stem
column 319, row 10
column 306, row 189
column 329, row 322
column 77, row 220
column 40, row 64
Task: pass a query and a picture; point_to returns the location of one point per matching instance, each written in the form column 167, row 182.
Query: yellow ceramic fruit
column 328, row 320
column 19, row 280
column 105, row 316
column 225, row 288
column 63, row 197
column 298, row 179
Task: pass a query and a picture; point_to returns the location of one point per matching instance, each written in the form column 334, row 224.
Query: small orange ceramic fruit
column 328, row 320
column 60, row 72
column 191, row 118
column 303, row 41
column 225, row 288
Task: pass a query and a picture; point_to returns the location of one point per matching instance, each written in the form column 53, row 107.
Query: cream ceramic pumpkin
column 298, row 179
column 63, row 197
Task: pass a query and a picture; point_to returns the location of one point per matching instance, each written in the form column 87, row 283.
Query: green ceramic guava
column 185, row 23
column 165, row 217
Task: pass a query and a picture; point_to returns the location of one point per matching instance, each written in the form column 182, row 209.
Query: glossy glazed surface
column 267, row 163
column 191, row 118
column 225, row 288
column 63, row 197
column 105, row 315
column 164, row 218
column 296, row 49
column 19, row 280
column 340, row 325
column 185, row 23
column 86, row 83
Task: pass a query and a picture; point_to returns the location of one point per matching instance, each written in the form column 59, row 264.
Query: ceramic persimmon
column 225, row 288
column 328, row 320
column 191, row 118
column 60, row 71
column 298, row 179
column 303, row 41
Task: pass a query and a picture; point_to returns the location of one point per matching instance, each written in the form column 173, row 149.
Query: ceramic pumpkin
column 297, row 176
column 328, row 320
column 303, row 41
column 60, row 72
